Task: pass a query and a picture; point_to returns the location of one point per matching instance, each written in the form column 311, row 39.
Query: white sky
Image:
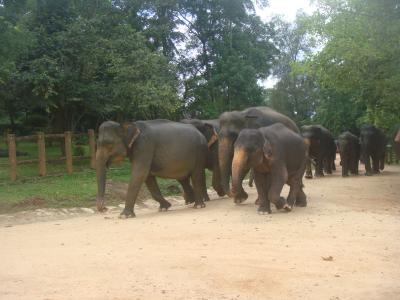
column 288, row 10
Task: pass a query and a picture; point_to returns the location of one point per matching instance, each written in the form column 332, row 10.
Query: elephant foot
column 201, row 204
column 241, row 197
column 164, row 206
column 127, row 213
column 301, row 200
column 263, row 209
column 287, row 207
column 280, row 203
column 319, row 174
column 345, row 175
column 257, row 202
column 308, row 176
column 368, row 174
column 220, row 191
column 188, row 200
column 221, row 194
column 376, row 171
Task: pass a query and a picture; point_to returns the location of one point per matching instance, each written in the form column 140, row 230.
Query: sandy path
column 220, row 252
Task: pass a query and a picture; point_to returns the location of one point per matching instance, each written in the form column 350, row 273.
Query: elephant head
column 231, row 123
column 113, row 145
column 312, row 135
column 206, row 129
column 251, row 150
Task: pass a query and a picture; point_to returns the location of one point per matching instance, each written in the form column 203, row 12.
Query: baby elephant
column 277, row 156
column 349, row 149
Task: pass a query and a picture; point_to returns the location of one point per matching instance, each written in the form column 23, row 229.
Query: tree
column 296, row 94
column 361, row 57
column 228, row 51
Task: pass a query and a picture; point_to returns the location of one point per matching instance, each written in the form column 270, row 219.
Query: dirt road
column 344, row 245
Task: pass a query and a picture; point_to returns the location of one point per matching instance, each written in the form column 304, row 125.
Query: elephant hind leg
column 301, row 198
column 199, row 186
column 155, row 192
column 188, row 193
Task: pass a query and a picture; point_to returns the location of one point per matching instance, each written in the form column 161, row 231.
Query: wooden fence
column 40, row 138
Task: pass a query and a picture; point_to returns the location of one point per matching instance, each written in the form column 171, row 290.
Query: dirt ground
column 344, row 245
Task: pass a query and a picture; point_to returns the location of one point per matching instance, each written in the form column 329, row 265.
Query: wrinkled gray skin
column 277, row 156
column 373, row 145
column 322, row 149
column 155, row 148
column 231, row 123
column 210, row 129
column 349, row 149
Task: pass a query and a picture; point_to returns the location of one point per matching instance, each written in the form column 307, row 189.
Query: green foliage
column 230, row 49
column 361, row 58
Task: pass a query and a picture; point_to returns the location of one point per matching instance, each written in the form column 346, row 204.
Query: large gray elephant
column 159, row 148
column 210, row 129
column 231, row 123
column 277, row 156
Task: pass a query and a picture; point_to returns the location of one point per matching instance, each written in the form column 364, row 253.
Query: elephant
column 373, row 145
column 322, row 149
column 210, row 129
column 231, row 123
column 349, row 149
column 159, row 148
column 277, row 156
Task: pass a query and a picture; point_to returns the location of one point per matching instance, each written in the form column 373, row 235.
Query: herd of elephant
column 257, row 139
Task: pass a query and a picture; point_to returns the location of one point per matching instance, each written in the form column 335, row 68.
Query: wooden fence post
column 12, row 156
column 41, row 153
column 68, row 150
column 92, row 148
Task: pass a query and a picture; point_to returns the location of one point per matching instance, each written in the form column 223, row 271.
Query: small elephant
column 210, row 128
column 232, row 122
column 322, row 149
column 349, row 149
column 277, row 156
column 373, row 145
column 159, row 148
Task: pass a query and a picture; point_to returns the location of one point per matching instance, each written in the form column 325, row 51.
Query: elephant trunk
column 239, row 171
column 225, row 154
column 101, row 166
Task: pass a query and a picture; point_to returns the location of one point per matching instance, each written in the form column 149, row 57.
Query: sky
column 287, row 9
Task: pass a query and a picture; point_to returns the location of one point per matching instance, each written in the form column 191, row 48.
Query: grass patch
column 59, row 190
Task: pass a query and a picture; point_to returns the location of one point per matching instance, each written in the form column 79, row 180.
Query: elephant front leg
column 216, row 180
column 155, row 192
column 319, row 167
column 139, row 175
column 367, row 162
column 199, row 187
column 308, row 169
column 375, row 164
column 345, row 166
column 188, row 193
column 262, row 182
column 278, row 180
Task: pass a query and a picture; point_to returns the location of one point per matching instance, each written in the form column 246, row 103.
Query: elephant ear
column 130, row 133
column 212, row 133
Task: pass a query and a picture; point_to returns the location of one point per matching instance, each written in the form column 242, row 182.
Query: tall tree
column 361, row 56
column 227, row 52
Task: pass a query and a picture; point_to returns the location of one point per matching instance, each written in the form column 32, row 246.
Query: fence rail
column 40, row 138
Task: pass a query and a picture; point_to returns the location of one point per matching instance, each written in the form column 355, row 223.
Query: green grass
column 59, row 189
